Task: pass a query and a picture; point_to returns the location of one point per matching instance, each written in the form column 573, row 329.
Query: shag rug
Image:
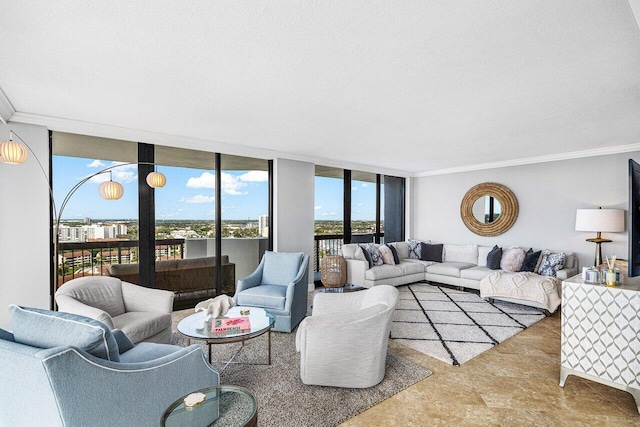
column 455, row 326
column 283, row 400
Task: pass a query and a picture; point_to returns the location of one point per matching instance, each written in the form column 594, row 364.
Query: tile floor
column 513, row 384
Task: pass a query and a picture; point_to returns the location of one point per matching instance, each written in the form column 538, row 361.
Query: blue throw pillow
column 551, row 263
column 415, row 249
column 47, row 329
column 494, row 257
column 396, row 258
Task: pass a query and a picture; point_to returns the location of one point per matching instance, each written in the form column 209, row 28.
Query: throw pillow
column 386, row 254
column 415, row 249
column 494, row 257
column 396, row 257
column 374, row 254
column 431, row 252
column 512, row 259
column 551, row 263
column 359, row 254
column 530, row 260
column 47, row 329
column 367, row 256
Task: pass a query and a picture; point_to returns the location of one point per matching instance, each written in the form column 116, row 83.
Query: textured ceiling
column 412, row 86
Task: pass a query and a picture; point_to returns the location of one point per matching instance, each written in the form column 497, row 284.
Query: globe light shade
column 13, row 152
column 111, row 190
column 156, row 180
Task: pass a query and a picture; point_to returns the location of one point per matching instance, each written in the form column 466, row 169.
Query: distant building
column 85, row 233
column 263, row 225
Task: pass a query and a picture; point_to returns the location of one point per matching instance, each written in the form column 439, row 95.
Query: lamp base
column 598, row 241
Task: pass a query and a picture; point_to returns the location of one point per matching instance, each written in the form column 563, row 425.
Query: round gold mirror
column 489, row 209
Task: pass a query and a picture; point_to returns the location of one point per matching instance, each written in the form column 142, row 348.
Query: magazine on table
column 230, row 326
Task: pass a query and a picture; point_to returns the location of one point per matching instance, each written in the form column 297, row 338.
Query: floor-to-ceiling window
column 94, row 232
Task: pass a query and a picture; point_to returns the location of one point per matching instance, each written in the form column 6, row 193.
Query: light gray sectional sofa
column 462, row 265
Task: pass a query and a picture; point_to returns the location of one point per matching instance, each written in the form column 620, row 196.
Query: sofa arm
column 139, row 298
column 71, row 305
column 355, row 271
column 565, row 273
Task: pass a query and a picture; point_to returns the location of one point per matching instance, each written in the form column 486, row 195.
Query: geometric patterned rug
column 455, row 326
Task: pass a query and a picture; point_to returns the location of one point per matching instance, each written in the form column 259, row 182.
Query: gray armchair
column 280, row 286
column 143, row 314
column 347, row 326
column 61, row 369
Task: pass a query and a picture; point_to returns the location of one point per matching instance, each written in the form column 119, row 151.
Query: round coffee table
column 193, row 327
column 224, row 405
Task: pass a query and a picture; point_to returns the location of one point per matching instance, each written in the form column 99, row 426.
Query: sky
column 190, row 193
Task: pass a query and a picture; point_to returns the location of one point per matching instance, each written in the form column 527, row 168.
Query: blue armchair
column 280, row 286
column 62, row 369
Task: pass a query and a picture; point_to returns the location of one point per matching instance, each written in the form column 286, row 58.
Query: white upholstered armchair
column 143, row 314
column 344, row 342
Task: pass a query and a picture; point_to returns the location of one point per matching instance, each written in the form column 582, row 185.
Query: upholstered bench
column 523, row 288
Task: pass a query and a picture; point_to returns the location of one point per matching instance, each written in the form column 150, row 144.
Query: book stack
column 230, row 326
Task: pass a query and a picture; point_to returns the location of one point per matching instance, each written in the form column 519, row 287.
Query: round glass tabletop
column 223, row 406
column 196, row 326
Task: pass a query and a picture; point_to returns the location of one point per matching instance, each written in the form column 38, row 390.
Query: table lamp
column 599, row 220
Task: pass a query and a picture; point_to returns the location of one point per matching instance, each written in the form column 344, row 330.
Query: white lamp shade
column 603, row 220
column 156, row 180
column 13, row 152
column 111, row 190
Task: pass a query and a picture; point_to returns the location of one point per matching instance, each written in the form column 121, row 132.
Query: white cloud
column 124, row 174
column 329, row 214
column 255, row 176
column 96, row 164
column 354, row 188
column 198, row 198
column 365, row 184
column 317, row 207
column 206, row 180
column 230, row 184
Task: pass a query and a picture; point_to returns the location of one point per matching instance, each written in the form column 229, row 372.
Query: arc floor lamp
column 17, row 152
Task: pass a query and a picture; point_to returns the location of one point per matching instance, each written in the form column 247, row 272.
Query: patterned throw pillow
column 551, row 263
column 374, row 254
column 415, row 249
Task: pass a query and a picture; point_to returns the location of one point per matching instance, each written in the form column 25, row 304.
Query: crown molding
column 107, row 131
column 6, row 108
column 533, row 160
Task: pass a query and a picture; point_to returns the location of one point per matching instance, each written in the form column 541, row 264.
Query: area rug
column 455, row 326
column 284, row 401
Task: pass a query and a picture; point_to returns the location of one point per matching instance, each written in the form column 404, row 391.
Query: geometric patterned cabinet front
column 601, row 334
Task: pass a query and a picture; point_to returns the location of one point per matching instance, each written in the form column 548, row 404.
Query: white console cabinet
column 601, row 334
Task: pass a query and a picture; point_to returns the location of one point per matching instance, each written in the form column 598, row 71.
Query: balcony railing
column 93, row 258
column 331, row 244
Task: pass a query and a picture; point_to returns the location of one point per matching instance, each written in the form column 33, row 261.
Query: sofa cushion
column 512, row 259
column 461, row 253
column 47, row 329
column 483, row 251
column 140, row 325
column 451, row 269
column 415, row 249
column 402, row 248
column 431, row 252
column 494, row 257
column 424, row 264
column 384, row 271
column 476, row 273
column 265, row 296
column 416, row 267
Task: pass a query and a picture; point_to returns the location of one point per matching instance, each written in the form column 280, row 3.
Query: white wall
column 548, row 196
column 24, row 225
column 294, row 186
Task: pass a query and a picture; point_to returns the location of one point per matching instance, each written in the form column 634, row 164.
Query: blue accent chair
column 280, row 286
column 62, row 369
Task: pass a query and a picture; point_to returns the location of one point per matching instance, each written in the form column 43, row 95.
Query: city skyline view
column 190, row 193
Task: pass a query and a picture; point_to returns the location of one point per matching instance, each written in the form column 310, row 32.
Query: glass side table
column 224, row 406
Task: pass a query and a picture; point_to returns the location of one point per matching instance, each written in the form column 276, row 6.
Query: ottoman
column 523, row 288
